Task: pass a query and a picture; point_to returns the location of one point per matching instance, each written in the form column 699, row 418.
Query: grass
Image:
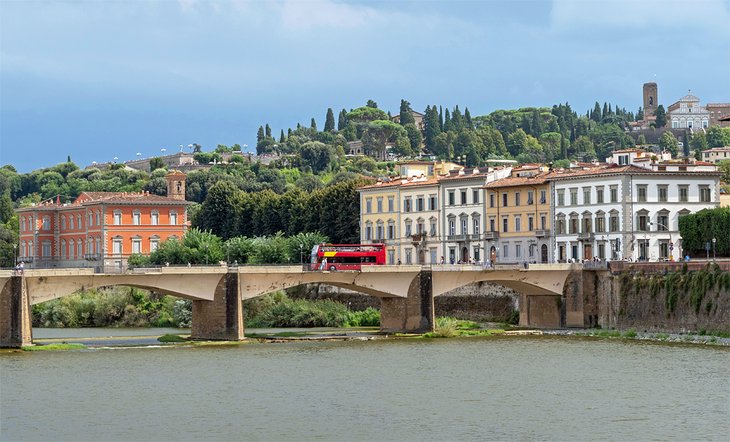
column 54, row 347
column 171, row 338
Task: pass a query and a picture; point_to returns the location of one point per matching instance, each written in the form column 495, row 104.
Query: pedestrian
column 442, row 260
column 323, row 265
column 398, row 261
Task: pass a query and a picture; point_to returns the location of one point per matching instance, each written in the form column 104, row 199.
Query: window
column 530, row 200
column 79, row 224
column 561, row 197
column 586, row 195
column 464, row 226
column 573, row 225
column 409, row 256
column 432, row 203
column 154, row 244
column 46, row 223
column 518, row 223
column 504, row 200
column 518, row 250
column 71, row 222
column 407, row 204
column 46, row 249
column 491, row 224
column 560, row 226
column 475, row 196
column 452, row 226
column 543, row 197
column 63, row 249
column 530, row 223
column 117, row 218
column 432, row 232
column 614, row 194
column 97, row 241
column 136, row 245
column 380, row 204
column 136, row 218
column 705, row 194
column 379, row 231
column 491, row 200
column 154, row 218
column 683, row 193
column 432, row 252
column 505, row 250
column 391, row 230
column 419, row 204
column 600, row 224
column 505, row 224
column 90, row 221
column 173, row 218
column 476, row 254
column 98, row 218
column 63, row 223
column 368, row 231
column 543, row 218
column 663, row 192
column 517, row 198
column 642, row 222
column 587, row 225
column 662, row 222
column 391, row 204
column 573, row 197
column 599, row 195
column 475, row 221
column 391, row 256
column 451, row 198
column 463, row 197
column 613, row 223
column 409, row 228
column 641, row 193
column 368, row 205
column 79, row 249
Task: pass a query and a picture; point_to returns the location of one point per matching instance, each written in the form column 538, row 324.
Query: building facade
column 716, row 154
column 518, row 219
column 101, row 229
column 463, row 215
column 688, row 114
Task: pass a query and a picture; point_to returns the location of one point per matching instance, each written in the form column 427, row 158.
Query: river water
column 507, row 388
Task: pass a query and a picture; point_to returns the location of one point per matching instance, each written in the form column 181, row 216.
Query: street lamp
column 714, row 256
column 301, row 256
column 15, row 254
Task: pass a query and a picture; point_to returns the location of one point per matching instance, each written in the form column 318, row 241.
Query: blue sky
column 104, row 79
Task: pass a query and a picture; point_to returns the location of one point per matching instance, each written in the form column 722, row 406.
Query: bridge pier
column 15, row 319
column 413, row 314
column 222, row 318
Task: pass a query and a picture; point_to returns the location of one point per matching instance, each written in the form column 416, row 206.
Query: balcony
column 92, row 256
column 461, row 237
column 418, row 238
column 542, row 233
column 491, row 235
column 586, row 236
column 473, row 237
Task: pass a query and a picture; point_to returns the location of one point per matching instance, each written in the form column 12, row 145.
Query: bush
column 369, row 317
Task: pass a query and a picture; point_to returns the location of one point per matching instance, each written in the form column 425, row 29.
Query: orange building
column 101, row 229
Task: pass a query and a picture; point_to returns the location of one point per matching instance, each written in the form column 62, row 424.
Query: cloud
column 713, row 16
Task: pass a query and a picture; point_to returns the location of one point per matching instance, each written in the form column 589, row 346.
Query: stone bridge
column 406, row 292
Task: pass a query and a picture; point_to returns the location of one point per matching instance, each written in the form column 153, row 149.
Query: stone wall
column 477, row 302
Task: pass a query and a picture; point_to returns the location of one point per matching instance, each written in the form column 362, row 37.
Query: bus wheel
column 333, row 268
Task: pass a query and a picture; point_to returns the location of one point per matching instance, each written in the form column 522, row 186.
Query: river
column 505, row 388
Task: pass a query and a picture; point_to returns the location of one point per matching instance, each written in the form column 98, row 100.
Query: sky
column 103, row 79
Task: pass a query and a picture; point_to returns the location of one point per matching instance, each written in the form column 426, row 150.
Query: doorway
column 544, row 254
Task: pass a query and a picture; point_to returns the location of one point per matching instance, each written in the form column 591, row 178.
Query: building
column 716, row 154
column 687, row 113
column 651, row 99
column 631, row 210
column 417, row 117
column 101, row 229
column 518, row 217
column 430, row 169
column 719, row 114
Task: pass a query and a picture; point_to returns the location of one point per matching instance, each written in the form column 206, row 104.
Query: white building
column 627, row 211
column 716, row 154
column 420, row 234
column 687, row 113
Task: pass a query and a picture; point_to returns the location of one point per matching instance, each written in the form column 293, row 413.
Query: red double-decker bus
column 346, row 256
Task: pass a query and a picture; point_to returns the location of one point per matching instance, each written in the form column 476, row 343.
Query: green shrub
column 369, row 317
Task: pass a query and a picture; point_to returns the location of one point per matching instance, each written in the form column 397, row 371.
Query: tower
column 651, row 99
column 175, row 185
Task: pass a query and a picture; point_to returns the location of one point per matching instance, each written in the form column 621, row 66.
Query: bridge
column 406, row 292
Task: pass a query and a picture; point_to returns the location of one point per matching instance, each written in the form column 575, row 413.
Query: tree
column 380, row 132
column 698, row 142
column 329, row 123
column 432, row 127
column 372, row 104
column 156, row 163
column 414, row 137
column 342, row 120
column 718, row 136
column 260, row 136
column 268, row 131
column 218, row 213
column 685, row 143
column 406, row 113
column 661, row 116
column 724, row 167
column 282, row 138
column 699, row 228
column 316, row 155
column 669, row 143
column 313, row 125
column 640, row 114
column 467, row 119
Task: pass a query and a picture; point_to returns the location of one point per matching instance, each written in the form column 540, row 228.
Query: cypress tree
column 281, row 137
column 313, row 125
column 329, row 123
column 536, row 124
column 260, row 134
column 467, row 119
column 406, row 113
column 661, row 116
column 685, row 144
column 447, row 121
column 456, row 120
column 288, row 132
column 342, row 120
column 441, row 118
column 432, row 126
column 268, row 131
column 596, row 115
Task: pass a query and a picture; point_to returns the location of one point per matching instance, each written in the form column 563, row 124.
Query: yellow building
column 380, row 216
column 518, row 219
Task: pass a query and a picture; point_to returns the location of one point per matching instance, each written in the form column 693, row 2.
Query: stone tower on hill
column 651, row 99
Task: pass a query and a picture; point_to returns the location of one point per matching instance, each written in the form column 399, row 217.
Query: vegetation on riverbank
column 54, row 347
column 278, row 310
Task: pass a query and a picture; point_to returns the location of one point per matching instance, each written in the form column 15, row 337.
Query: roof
column 419, row 181
column 620, row 170
column 518, row 181
column 718, row 149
